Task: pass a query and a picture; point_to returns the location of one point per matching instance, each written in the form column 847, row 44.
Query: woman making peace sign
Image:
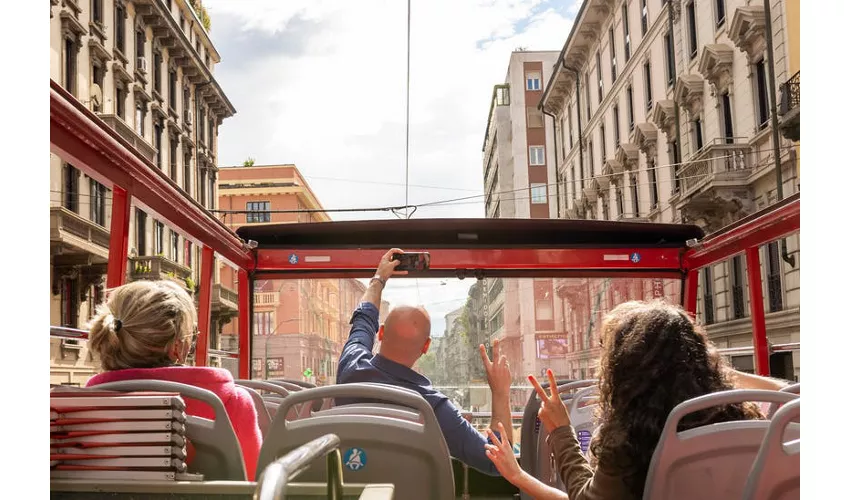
column 654, row 357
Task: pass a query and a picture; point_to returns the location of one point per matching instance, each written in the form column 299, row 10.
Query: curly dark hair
column 654, row 357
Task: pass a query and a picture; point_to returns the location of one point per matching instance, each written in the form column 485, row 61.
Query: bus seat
column 793, row 388
column 711, row 461
column 790, row 389
column 535, row 456
column 278, row 394
column 376, row 449
column 776, row 472
column 582, row 417
column 218, row 455
column 263, row 416
column 392, row 411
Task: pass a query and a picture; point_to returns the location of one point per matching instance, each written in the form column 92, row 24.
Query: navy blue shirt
column 358, row 364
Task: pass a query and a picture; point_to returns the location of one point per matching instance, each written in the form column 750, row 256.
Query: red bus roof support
column 119, row 238
column 205, row 305
column 760, row 347
column 691, row 284
column 244, row 328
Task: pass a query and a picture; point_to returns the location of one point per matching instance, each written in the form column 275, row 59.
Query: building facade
column 147, row 69
column 299, row 326
column 664, row 113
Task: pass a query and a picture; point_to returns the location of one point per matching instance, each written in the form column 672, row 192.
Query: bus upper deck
column 475, row 249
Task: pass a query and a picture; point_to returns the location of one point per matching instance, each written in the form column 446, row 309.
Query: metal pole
column 762, row 354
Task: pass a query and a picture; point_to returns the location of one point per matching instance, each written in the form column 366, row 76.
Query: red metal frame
column 119, row 238
column 244, row 320
column 760, row 347
column 205, row 305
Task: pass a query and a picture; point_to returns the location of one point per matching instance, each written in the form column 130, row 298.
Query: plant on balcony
column 190, row 283
column 201, row 11
column 248, row 163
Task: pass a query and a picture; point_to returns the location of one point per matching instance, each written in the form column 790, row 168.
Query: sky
column 321, row 84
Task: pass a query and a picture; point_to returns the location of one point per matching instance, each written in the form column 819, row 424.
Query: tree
column 427, row 365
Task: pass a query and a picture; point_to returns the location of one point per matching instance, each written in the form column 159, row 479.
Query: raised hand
column 553, row 413
column 502, row 455
column 386, row 267
column 498, row 371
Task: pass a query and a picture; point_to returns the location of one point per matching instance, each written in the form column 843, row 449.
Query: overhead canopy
column 471, row 233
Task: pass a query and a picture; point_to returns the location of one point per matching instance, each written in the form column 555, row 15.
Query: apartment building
column 146, row 67
column 299, row 326
column 663, row 111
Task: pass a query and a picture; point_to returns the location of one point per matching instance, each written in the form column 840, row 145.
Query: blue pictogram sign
column 354, row 459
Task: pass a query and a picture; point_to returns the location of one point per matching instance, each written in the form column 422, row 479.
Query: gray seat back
column 791, row 389
column 376, row 449
column 263, row 417
column 218, row 455
column 277, row 390
column 392, row 411
column 535, row 455
column 710, row 461
column 776, row 472
column 583, row 418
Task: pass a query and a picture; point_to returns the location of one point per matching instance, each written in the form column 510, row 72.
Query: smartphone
column 413, row 261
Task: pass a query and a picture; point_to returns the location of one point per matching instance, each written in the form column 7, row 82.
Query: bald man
column 405, row 336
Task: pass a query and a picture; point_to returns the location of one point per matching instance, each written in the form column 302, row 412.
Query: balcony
column 266, row 299
column 224, row 300
column 72, row 234
column 789, row 108
column 130, row 135
column 159, row 268
column 715, row 185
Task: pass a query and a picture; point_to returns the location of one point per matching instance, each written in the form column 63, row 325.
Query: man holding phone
column 405, row 337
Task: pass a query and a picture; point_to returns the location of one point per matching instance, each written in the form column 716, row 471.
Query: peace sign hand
column 553, row 413
column 498, row 370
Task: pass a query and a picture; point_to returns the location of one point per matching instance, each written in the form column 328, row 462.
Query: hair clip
column 116, row 324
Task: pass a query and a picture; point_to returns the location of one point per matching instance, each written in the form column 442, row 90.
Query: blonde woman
column 147, row 330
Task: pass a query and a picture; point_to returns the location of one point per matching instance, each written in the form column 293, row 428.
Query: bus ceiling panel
column 471, row 233
column 80, row 137
column 771, row 224
column 450, row 260
column 473, row 274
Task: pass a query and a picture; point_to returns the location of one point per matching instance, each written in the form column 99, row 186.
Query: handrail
column 731, row 351
column 62, row 332
column 273, row 481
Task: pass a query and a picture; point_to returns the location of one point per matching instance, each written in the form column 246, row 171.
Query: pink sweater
column 238, row 403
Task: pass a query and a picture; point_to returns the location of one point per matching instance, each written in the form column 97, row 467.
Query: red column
column 205, row 305
column 760, row 349
column 119, row 238
column 691, row 285
column 244, row 329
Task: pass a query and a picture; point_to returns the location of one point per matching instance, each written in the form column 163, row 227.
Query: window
column 677, row 163
column 187, row 249
column 175, row 246
column 616, row 126
column 211, row 201
column 606, row 211
column 97, row 79
column 563, row 140
column 532, row 81
column 599, row 76
column 533, row 115
column 140, row 118
column 158, row 238
column 626, row 35
column 697, row 127
column 644, row 17
column 157, row 71
column 538, row 193
column 98, row 203
column 647, row 82
column 120, row 100
column 581, row 175
column 726, row 104
column 201, row 120
column 635, row 200
column 263, row 323
column 202, row 185
column 140, row 47
column 207, row 59
column 690, row 11
column 71, row 188
column 671, row 62
column 570, row 122
column 258, row 211
column 187, row 172
column 587, row 93
column 70, row 79
column 97, row 11
column 630, row 98
column 737, row 274
column 613, row 51
column 707, row 296
column 157, row 141
column 536, row 155
column 211, row 125
column 602, row 143
column 774, row 277
column 543, row 310
column 120, row 21
column 186, row 105
column 573, row 179
column 621, row 202
column 719, row 12
column 172, row 89
column 173, row 141
column 69, row 302
column 762, row 95
column 591, row 161
column 141, row 232
column 653, row 185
